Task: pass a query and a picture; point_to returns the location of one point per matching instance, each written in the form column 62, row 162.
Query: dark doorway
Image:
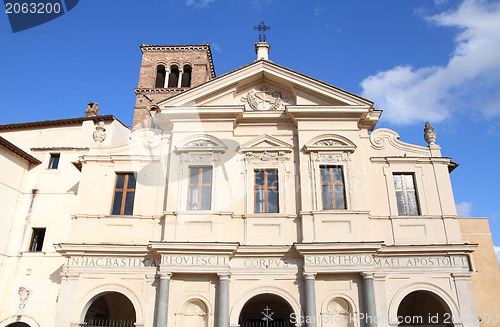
column 18, row 324
column 266, row 310
column 422, row 308
column 110, row 309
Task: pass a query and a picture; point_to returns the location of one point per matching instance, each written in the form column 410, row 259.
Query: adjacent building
column 261, row 197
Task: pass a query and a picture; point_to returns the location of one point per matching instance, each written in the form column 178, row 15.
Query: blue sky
column 424, row 60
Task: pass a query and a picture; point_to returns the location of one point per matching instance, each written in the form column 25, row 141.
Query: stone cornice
column 78, row 249
column 192, row 248
column 337, row 247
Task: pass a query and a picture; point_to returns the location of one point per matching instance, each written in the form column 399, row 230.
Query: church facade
column 262, row 197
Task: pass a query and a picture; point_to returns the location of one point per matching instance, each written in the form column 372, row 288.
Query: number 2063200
column 32, row 8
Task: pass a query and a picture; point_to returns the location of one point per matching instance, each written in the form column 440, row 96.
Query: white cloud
column 470, row 80
column 464, row 209
column 318, row 9
column 199, row 3
column 497, row 252
column 216, row 47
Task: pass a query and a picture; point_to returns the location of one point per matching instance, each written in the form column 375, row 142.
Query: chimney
column 262, row 50
column 92, row 109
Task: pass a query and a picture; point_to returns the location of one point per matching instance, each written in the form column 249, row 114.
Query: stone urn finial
column 99, row 133
column 429, row 134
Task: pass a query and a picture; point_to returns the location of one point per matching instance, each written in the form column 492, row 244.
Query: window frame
column 52, row 159
column 33, row 246
column 266, row 189
column 405, row 192
column 125, row 190
column 332, row 183
column 200, row 186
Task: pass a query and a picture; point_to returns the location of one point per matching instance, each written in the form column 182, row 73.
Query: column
column 179, row 81
column 162, row 305
column 66, row 297
column 310, row 307
column 167, row 76
column 468, row 313
column 223, row 301
column 370, row 308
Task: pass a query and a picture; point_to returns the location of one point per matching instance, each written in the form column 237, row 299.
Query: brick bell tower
column 167, row 70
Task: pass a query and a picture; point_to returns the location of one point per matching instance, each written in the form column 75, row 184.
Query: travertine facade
column 260, row 196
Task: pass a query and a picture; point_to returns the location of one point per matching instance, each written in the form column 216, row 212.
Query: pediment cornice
column 266, row 143
column 330, row 142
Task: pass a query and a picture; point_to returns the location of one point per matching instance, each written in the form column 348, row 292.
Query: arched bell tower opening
column 110, row 309
column 266, row 310
column 423, row 308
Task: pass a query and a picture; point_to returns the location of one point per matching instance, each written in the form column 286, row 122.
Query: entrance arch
column 110, row 309
column 266, row 310
column 18, row 324
column 424, row 308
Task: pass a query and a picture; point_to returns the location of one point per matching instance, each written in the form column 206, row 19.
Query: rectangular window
column 332, row 187
column 54, row 160
column 123, row 200
column 266, row 191
column 406, row 195
column 37, row 237
column 200, row 188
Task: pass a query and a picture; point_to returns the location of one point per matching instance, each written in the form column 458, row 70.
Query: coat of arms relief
column 264, row 99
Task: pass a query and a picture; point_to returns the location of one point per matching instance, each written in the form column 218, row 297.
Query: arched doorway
column 423, row 308
column 266, row 310
column 110, row 309
column 18, row 324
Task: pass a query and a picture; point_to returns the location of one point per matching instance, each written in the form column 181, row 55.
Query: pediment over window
column 330, row 142
column 266, row 143
column 201, row 143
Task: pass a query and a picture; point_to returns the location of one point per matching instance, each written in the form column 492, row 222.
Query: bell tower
column 167, row 70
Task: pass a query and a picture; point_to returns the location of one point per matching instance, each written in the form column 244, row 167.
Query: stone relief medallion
column 264, row 99
column 151, row 140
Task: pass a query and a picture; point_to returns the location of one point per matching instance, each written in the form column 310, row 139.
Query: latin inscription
column 194, row 260
column 266, row 263
column 346, row 260
column 111, row 262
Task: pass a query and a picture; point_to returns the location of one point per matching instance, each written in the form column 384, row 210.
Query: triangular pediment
column 266, row 143
column 264, row 85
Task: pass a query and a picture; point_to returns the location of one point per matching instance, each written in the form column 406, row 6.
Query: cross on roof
column 262, row 28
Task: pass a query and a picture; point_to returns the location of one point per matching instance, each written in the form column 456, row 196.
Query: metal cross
column 262, row 28
column 267, row 315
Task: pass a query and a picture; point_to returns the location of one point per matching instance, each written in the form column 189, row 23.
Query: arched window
column 160, row 76
column 173, row 77
column 186, row 76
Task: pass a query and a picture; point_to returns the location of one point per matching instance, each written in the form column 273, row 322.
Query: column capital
column 368, row 275
column 461, row 276
column 224, row 275
column 165, row 274
column 309, row 275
